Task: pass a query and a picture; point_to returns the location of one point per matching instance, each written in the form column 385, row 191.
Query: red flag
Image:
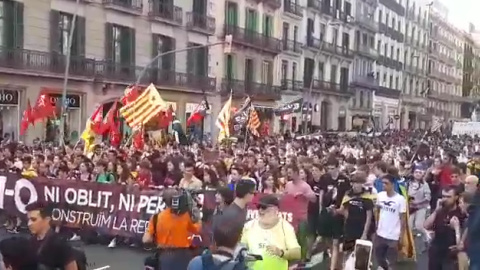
column 115, row 135
column 96, row 120
column 43, row 107
column 109, row 120
column 27, row 118
column 138, row 140
column 199, row 113
column 130, row 94
column 165, row 118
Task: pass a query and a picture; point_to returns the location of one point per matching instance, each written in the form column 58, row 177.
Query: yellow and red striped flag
column 146, row 106
column 223, row 120
column 253, row 122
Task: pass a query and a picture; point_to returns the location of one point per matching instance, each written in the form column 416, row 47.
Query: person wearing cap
column 271, row 236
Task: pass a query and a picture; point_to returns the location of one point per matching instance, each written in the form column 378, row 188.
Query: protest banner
column 113, row 209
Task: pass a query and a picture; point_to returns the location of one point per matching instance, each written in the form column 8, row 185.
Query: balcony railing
column 367, row 51
column 368, row 81
column 314, row 43
column 315, row 4
column 338, row 50
column 291, row 46
column 54, row 64
column 334, row 88
column 244, row 88
column 200, row 22
column 367, row 22
column 166, row 12
column 387, row 92
column 253, row 39
column 134, row 5
column 292, row 8
column 342, row 16
column 275, row 4
column 291, row 85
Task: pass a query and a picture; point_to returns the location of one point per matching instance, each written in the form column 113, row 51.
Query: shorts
column 330, row 226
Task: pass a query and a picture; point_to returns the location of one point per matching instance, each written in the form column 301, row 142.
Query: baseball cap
column 268, row 200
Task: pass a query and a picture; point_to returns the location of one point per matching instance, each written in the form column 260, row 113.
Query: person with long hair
column 270, row 184
column 124, row 175
column 210, row 179
column 173, row 174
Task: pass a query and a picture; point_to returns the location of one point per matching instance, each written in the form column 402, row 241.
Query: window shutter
column 191, row 63
column 154, row 47
column 54, row 31
column 132, row 46
column 172, row 55
column 18, row 29
column 109, row 42
column 79, row 37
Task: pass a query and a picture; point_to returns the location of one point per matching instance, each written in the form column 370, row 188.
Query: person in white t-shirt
column 392, row 220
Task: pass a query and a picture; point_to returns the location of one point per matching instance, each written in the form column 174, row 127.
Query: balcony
column 342, row 16
column 367, row 51
column 275, row 4
column 252, row 39
column 51, row 64
column 313, row 43
column 200, row 23
column 259, row 91
column 411, row 69
column 293, row 8
column 327, row 10
column 167, row 13
column 383, row 28
column 291, row 85
column 331, row 88
column 387, row 92
column 292, row 46
column 127, row 6
column 367, row 22
column 368, row 82
column 314, row 4
column 394, row 5
column 337, row 50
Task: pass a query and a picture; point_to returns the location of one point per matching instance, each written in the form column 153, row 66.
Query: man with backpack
column 224, row 257
column 53, row 251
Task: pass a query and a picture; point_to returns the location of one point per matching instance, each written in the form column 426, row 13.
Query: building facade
column 471, row 75
column 415, row 59
column 112, row 43
column 445, row 67
column 390, row 16
column 364, row 82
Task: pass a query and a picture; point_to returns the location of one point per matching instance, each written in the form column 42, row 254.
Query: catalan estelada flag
column 223, row 120
column 146, row 106
column 253, row 122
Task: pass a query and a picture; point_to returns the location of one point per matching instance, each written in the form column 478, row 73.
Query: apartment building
column 113, row 41
column 249, row 69
column 364, row 82
column 415, row 59
column 471, row 74
column 390, row 15
column 445, row 67
column 328, row 53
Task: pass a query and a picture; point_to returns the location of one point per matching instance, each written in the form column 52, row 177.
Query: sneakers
column 75, row 237
column 13, row 230
column 113, row 243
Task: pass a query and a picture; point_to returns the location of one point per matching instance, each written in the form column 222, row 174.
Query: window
column 294, row 71
column 335, row 36
column 164, row 44
column 249, row 71
column 397, row 83
column 391, row 51
column 197, row 60
column 121, row 49
column 333, row 74
column 11, row 24
column 361, row 99
column 232, row 14
column 251, row 23
column 380, row 16
column 284, row 71
column 61, row 24
column 229, row 67
column 295, row 34
column 267, row 25
column 321, row 72
column 308, row 66
column 379, row 45
column 390, row 84
column 322, row 31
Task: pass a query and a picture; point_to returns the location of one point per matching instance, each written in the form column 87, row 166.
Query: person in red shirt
column 144, row 178
column 445, row 175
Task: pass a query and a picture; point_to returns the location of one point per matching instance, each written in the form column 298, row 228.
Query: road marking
column 102, row 268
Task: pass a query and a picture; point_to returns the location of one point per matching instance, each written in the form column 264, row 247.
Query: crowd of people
column 393, row 189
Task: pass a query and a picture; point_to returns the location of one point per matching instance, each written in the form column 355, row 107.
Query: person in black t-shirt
column 441, row 222
column 52, row 250
column 334, row 185
column 314, row 207
column 18, row 254
column 357, row 208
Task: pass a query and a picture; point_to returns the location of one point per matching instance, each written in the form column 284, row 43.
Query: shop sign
column 191, row 107
column 8, row 97
column 72, row 101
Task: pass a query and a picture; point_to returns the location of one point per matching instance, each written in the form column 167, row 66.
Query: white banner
column 466, row 128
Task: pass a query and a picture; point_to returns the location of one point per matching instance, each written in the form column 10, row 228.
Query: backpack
column 209, row 264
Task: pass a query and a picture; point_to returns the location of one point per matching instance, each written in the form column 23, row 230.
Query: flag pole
column 68, row 57
column 247, row 128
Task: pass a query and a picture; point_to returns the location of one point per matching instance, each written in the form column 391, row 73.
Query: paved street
column 124, row 258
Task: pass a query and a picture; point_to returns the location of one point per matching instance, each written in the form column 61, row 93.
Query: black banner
column 8, row 97
column 73, row 101
column 288, row 108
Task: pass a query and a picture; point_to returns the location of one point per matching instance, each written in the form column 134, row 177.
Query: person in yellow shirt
column 28, row 169
column 271, row 236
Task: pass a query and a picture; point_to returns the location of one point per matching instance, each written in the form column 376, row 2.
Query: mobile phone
column 363, row 254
